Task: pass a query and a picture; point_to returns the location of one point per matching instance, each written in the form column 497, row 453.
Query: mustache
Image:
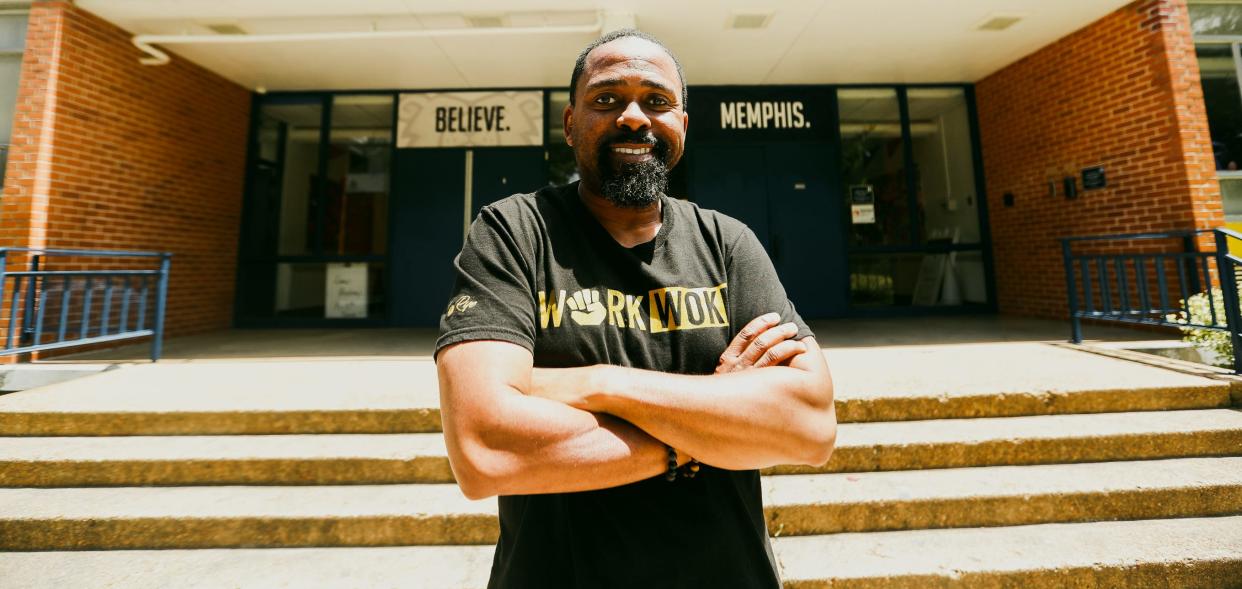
column 634, row 137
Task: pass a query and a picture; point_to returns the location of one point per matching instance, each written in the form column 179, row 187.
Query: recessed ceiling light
column 226, row 29
column 750, row 20
column 485, row 21
column 1000, row 22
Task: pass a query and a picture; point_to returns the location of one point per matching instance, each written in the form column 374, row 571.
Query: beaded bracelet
column 687, row 472
column 691, row 469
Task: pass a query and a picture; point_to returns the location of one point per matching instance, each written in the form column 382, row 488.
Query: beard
column 634, row 184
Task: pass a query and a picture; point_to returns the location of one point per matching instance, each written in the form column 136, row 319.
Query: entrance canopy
column 409, row 44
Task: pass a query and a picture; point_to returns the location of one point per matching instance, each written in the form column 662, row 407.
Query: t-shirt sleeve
column 492, row 294
column 754, row 287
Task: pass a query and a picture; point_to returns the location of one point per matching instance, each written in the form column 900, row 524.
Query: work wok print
column 665, row 309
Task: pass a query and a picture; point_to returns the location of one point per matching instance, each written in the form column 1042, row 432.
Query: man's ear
column 685, row 121
column 568, row 126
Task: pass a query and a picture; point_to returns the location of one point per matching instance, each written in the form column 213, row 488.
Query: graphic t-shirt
column 539, row 271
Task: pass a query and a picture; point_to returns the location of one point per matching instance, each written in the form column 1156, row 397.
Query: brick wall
column 1124, row 93
column 111, row 154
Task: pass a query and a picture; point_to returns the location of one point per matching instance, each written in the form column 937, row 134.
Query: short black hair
column 580, row 64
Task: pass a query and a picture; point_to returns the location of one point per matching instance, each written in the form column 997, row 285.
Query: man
column 616, row 364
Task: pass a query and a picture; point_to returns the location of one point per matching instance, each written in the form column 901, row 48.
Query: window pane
column 562, row 169
column 356, row 201
column 13, row 32
column 1216, row 19
column 943, row 165
column 299, row 125
column 917, row 279
column 872, row 162
column 1223, row 102
column 1231, row 194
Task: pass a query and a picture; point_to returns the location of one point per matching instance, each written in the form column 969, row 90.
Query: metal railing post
column 1229, row 290
column 1190, row 245
column 157, row 340
column 1072, row 286
column 32, row 285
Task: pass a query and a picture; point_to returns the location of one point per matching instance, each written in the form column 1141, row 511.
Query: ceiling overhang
column 409, row 44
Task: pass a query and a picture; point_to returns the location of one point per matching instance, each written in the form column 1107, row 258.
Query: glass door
column 910, row 199
column 315, row 229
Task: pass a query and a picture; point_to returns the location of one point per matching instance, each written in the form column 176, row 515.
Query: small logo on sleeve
column 460, row 304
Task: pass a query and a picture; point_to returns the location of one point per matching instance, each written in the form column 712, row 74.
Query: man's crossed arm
column 513, row 429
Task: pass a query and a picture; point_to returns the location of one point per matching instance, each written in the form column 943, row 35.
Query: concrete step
column 365, row 515
column 340, row 459
column 1189, row 553
column 205, row 398
column 1183, row 553
column 800, row 505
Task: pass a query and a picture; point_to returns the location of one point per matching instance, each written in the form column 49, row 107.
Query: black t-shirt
column 539, row 271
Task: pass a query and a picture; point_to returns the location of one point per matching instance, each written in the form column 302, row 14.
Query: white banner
column 470, row 119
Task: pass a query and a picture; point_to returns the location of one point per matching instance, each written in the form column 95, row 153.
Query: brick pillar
column 111, row 154
column 1124, row 93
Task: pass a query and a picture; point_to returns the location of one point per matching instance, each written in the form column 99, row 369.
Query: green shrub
column 1198, row 309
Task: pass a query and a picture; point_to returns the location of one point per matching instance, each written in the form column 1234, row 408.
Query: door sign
column 345, row 291
column 862, row 204
column 470, row 119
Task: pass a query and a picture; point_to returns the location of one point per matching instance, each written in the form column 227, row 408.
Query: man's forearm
column 547, row 447
column 749, row 419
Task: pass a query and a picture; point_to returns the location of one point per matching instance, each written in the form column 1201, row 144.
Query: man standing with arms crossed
column 616, row 364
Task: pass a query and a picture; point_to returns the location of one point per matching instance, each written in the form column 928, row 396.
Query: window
column 1218, row 44
column 12, row 44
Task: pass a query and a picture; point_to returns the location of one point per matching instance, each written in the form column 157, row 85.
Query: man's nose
column 633, row 118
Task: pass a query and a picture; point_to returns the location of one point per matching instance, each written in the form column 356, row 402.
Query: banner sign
column 757, row 113
column 470, row 119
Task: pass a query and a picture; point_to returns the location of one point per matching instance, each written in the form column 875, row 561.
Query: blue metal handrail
column 1118, row 287
column 28, row 300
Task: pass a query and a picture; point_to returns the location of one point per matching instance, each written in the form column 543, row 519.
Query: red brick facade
column 1123, row 93
column 111, row 154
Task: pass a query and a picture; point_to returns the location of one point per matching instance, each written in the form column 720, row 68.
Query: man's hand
column 761, row 343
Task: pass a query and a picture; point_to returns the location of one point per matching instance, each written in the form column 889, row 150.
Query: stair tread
column 1083, row 425
column 953, row 553
column 223, row 447
column 1003, row 481
column 946, row 554
column 827, row 490
column 410, row 446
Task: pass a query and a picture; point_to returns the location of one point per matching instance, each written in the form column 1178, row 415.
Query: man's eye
column 659, row 101
column 606, row 99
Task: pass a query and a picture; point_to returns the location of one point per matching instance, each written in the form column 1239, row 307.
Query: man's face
column 627, row 125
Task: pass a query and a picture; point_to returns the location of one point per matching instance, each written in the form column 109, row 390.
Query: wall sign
column 470, row 119
column 756, row 113
column 1093, row 178
column 345, row 291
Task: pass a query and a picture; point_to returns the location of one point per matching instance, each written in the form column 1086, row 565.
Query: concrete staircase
column 1050, row 468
